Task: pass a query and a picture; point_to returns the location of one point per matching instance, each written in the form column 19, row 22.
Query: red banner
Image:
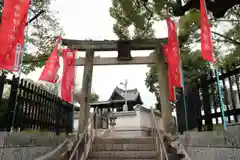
column 67, row 85
column 206, row 39
column 174, row 57
column 50, row 70
column 171, row 88
column 14, row 19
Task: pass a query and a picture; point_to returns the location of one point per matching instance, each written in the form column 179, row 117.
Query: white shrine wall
column 136, row 123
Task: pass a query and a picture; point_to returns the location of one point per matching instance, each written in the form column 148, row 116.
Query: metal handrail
column 83, row 136
column 160, row 146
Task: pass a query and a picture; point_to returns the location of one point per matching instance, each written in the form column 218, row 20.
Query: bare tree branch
column 227, row 38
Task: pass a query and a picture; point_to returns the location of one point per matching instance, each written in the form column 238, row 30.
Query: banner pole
column 21, row 63
column 215, row 68
column 184, row 99
column 74, row 80
column 220, row 97
column 183, row 87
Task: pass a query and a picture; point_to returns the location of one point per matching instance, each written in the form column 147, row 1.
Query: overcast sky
column 90, row 19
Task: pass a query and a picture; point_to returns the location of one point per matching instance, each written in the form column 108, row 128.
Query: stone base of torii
column 124, row 48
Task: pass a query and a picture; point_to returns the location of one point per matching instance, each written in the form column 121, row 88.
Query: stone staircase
column 123, row 148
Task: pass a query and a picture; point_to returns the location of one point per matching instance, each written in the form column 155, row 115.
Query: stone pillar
column 166, row 109
column 86, row 90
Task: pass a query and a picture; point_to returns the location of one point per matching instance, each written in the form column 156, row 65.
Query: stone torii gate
column 124, row 48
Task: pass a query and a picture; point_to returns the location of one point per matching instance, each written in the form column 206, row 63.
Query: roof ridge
column 128, row 90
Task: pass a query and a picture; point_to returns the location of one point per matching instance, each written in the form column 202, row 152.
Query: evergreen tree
column 42, row 37
column 142, row 14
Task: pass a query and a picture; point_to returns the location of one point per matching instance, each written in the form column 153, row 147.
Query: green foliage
column 131, row 13
column 41, row 37
column 142, row 15
column 188, row 25
column 55, row 89
column 94, row 97
column 234, row 37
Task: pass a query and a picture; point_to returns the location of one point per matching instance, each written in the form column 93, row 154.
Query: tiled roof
column 131, row 95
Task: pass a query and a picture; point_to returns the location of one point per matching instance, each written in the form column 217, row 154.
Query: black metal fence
column 29, row 107
column 203, row 107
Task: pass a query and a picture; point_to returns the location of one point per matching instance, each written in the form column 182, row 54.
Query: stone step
column 140, row 140
column 123, row 154
column 120, row 159
column 170, row 157
column 123, row 147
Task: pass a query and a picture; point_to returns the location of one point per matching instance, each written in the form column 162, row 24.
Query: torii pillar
column 162, row 73
column 86, row 91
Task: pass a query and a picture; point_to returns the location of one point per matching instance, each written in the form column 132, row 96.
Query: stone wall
column 136, row 123
column 26, row 146
column 23, row 153
column 232, row 135
column 213, row 153
column 215, row 145
column 203, row 138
